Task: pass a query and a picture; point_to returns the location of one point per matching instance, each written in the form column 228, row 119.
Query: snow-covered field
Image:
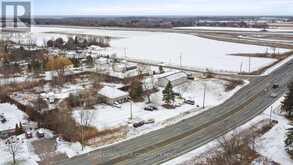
column 13, row 116
column 167, row 47
column 270, row 145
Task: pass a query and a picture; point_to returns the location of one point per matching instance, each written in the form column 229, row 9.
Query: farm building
column 112, row 95
column 176, row 78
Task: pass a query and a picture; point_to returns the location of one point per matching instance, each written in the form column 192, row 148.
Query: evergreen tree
column 287, row 104
column 168, row 94
column 136, row 90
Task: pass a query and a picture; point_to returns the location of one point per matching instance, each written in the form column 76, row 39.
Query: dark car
column 190, row 102
column 28, row 134
column 139, row 124
column 150, row 108
column 40, row 133
column 177, row 94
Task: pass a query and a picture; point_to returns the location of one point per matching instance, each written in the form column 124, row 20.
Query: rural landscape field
column 144, row 83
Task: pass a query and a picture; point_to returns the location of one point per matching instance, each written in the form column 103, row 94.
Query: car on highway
column 138, row 124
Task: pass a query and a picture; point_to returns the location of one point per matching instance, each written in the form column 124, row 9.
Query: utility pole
column 249, row 64
column 204, row 97
column 271, row 115
column 180, row 59
column 131, row 113
column 241, row 65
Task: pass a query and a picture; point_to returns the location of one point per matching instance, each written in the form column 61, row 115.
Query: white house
column 112, row 95
column 176, row 78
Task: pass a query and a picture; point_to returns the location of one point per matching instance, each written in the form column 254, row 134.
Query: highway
column 172, row 141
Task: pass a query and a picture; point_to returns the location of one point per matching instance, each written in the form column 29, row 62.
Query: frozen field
column 168, row 47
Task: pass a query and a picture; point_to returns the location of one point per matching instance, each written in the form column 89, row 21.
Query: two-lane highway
column 167, row 143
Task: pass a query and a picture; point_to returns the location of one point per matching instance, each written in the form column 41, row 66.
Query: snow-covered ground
column 26, row 154
column 167, row 47
column 270, row 145
column 13, row 116
column 106, row 116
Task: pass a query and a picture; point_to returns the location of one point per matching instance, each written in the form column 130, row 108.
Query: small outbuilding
column 113, row 95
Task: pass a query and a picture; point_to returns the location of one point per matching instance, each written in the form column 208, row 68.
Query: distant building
column 112, row 95
column 176, row 78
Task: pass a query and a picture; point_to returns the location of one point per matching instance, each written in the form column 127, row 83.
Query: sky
column 162, row 7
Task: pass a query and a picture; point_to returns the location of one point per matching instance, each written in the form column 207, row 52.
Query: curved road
column 170, row 142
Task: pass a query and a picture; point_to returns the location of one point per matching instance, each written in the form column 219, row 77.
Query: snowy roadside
column 109, row 117
column 268, row 145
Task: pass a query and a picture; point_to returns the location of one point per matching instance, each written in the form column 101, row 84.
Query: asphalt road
column 170, row 142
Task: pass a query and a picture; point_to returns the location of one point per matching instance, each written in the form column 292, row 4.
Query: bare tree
column 86, row 118
column 14, row 147
column 149, row 85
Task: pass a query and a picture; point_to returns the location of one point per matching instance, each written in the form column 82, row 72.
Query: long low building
column 176, row 78
column 112, row 95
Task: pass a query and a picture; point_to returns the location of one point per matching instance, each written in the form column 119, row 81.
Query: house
column 112, row 95
column 176, row 78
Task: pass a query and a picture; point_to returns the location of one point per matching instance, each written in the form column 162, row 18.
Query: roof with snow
column 171, row 76
column 111, row 92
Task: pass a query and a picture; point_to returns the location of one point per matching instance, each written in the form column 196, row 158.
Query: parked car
column 40, row 133
column 3, row 119
column 28, row 134
column 177, row 94
column 139, row 124
column 150, row 108
column 190, row 102
column 150, row 121
column 117, row 105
